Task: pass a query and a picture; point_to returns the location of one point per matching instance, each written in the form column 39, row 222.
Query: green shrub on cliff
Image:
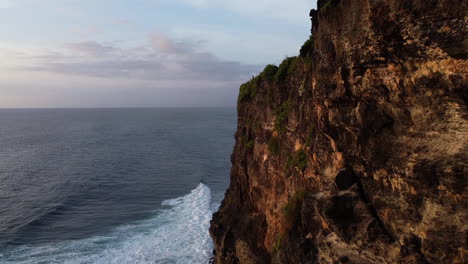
column 282, row 115
column 249, row 89
column 287, row 67
column 307, row 48
column 310, row 137
column 274, row 145
column 269, row 72
column 298, row 160
column 294, row 202
column 330, row 4
column 248, row 144
column 291, row 211
column 301, row 160
column 277, row 245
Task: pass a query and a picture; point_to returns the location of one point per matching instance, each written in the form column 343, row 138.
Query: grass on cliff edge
column 330, row 4
column 270, row 73
column 307, row 48
column 288, row 66
column 250, row 88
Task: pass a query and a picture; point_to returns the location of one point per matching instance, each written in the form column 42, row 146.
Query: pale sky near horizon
column 141, row 53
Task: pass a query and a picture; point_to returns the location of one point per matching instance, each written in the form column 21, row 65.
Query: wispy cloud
column 162, row 59
column 64, row 52
column 90, row 48
column 164, row 44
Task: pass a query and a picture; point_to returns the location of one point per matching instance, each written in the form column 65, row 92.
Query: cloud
column 164, row 44
column 90, row 47
column 162, row 59
column 164, row 72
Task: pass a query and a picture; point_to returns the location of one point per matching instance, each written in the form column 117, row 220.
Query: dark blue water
column 111, row 185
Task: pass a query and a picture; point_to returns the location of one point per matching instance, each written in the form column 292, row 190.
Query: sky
column 141, row 53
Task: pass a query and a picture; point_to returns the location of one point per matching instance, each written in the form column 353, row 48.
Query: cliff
column 356, row 150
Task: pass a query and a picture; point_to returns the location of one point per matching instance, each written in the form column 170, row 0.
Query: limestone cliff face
column 355, row 151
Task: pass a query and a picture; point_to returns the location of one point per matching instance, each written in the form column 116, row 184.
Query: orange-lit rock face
column 358, row 154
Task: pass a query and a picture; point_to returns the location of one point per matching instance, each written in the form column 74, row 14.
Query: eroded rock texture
column 355, row 152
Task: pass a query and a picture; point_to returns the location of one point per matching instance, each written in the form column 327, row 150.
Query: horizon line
column 117, row 107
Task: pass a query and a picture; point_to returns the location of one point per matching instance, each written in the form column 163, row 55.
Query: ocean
column 112, row 185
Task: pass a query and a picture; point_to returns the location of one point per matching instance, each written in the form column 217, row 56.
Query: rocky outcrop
column 355, row 151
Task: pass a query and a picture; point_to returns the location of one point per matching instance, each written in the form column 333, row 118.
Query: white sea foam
column 178, row 234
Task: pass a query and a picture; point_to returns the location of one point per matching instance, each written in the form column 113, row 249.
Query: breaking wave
column 176, row 234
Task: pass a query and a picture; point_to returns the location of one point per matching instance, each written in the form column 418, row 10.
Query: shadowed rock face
column 358, row 154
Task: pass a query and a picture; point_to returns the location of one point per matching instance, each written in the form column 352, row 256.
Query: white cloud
column 162, row 59
column 164, row 44
column 164, row 72
column 35, row 68
column 90, row 48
